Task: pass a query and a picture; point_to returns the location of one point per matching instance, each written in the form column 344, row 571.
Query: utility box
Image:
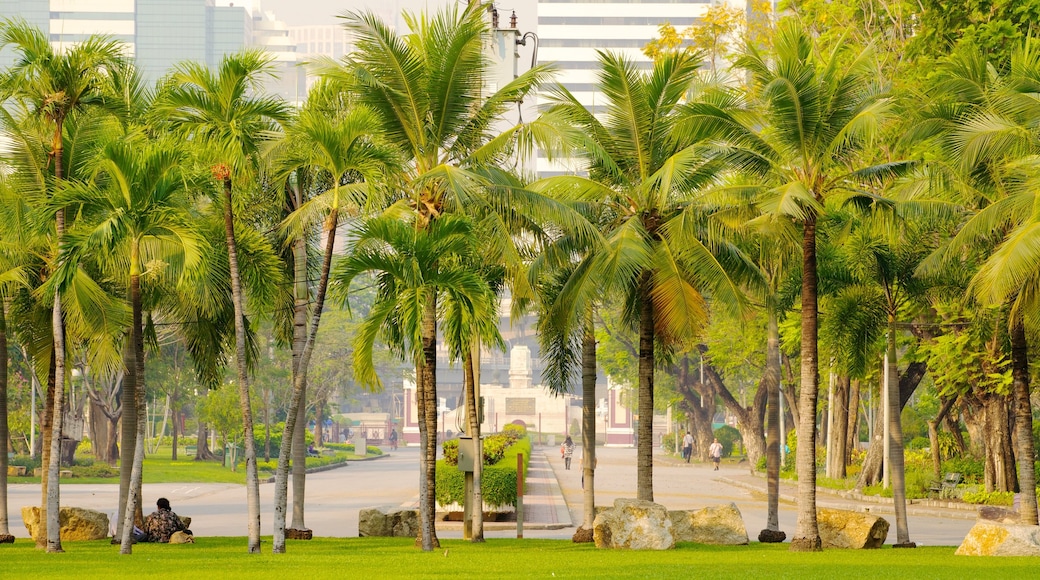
column 467, row 454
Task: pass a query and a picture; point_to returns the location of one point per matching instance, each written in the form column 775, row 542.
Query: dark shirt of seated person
column 162, row 523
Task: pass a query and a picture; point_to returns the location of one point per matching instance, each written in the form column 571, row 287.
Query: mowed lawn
column 373, row 558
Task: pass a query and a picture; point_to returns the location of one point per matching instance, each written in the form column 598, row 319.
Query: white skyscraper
column 572, row 31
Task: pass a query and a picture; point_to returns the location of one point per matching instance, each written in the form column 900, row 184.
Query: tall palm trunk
column 837, row 457
column 470, row 362
column 252, row 481
column 588, row 422
column 1023, row 422
column 772, row 531
column 54, row 461
column 807, row 535
column 45, row 453
column 133, row 498
column 299, row 388
column 4, row 433
column 127, row 429
column 895, row 447
column 427, row 406
column 852, row 430
column 645, row 432
column 50, row 495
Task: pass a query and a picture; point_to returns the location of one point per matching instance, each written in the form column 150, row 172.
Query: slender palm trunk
column 896, row 467
column 1023, row 422
column 852, row 431
column 4, row 433
column 133, row 498
column 837, row 459
column 252, row 480
column 807, row 534
column 299, row 388
column 588, row 422
column 472, row 359
column 45, row 454
column 645, row 432
column 127, row 429
column 54, row 461
column 772, row 532
column 427, row 393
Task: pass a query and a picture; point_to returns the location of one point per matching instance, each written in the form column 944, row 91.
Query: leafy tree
column 54, row 86
column 221, row 112
column 427, row 91
column 141, row 226
column 822, row 113
column 647, row 161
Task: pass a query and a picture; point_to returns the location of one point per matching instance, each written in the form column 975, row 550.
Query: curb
column 878, row 507
column 563, row 512
column 332, row 466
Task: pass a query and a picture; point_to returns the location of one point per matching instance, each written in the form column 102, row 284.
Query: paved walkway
column 553, row 500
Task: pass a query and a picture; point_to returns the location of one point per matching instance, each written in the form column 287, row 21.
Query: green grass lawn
column 226, row 558
column 159, row 468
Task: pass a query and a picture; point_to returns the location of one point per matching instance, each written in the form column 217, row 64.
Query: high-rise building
column 162, row 33
column 572, row 31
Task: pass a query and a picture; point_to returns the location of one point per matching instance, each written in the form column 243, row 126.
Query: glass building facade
column 158, row 33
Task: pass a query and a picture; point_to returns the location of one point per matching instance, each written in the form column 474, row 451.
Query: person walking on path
column 715, row 452
column 687, row 446
column 393, row 439
column 568, row 452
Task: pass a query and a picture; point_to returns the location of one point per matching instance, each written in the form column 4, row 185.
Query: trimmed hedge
column 349, row 448
column 497, row 482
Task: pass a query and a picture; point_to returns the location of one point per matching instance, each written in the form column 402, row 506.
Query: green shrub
column 515, row 431
column 497, row 483
column 668, row 442
column 29, row 463
column 349, row 448
column 1005, row 498
column 971, row 469
column 94, row 470
column 727, row 436
column 451, row 451
column 919, row 443
column 276, row 437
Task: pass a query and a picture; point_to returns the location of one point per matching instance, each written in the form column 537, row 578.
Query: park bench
column 945, row 486
column 189, row 450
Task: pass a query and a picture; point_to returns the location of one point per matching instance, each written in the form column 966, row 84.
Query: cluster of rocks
column 642, row 525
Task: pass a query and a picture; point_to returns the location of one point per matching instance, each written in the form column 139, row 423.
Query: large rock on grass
column 988, row 538
column 76, row 523
column 849, row 529
column 635, row 525
column 720, row 525
column 388, row 521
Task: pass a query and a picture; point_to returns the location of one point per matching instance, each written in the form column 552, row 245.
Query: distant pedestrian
column 393, row 439
column 715, row 452
column 568, row 452
column 687, row 446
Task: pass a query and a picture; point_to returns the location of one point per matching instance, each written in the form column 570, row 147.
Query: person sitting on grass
column 163, row 523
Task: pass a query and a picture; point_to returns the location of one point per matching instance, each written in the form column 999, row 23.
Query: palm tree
column 142, row 218
column 986, row 121
column 342, row 146
column 414, row 264
column 55, row 86
column 219, row 111
column 648, row 161
column 822, row 113
column 427, row 91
